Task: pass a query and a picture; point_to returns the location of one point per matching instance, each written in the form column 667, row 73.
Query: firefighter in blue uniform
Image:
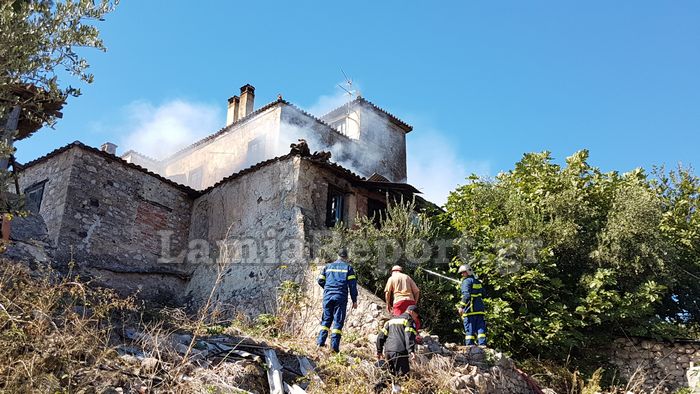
column 337, row 279
column 471, row 308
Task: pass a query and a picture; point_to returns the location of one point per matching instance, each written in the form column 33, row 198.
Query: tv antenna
column 348, row 88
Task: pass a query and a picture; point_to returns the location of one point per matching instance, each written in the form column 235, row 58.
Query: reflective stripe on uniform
column 476, row 286
column 322, row 277
column 324, row 328
column 337, row 331
column 469, row 337
column 476, row 295
column 384, row 331
column 462, row 304
column 410, row 329
column 473, row 313
column 351, row 277
column 335, row 270
column 402, row 322
column 481, row 335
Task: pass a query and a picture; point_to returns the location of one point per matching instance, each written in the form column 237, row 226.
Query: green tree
column 40, row 43
column 40, row 40
column 409, row 235
column 571, row 255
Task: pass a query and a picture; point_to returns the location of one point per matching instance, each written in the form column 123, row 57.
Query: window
column 335, row 207
column 33, row 196
column 341, row 126
column 376, row 210
column 256, row 150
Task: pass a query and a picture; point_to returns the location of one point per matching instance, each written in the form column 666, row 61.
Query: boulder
column 29, row 229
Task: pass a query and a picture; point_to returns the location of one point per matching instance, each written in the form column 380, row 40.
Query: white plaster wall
column 143, row 161
column 385, row 144
column 226, row 154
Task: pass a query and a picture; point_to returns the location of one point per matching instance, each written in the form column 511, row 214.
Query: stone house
column 156, row 226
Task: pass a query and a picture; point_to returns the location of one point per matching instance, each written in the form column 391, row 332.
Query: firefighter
column 337, row 279
column 397, row 341
column 471, row 308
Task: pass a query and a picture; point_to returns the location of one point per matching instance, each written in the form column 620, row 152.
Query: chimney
column 232, row 113
column 109, row 147
column 247, row 98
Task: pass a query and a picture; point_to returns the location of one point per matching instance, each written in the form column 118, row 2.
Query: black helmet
column 343, row 253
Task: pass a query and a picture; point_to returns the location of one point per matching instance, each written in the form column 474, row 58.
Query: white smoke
column 435, row 167
column 344, row 154
column 158, row 131
column 327, row 103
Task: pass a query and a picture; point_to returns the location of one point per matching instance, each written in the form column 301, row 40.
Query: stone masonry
column 662, row 366
column 141, row 233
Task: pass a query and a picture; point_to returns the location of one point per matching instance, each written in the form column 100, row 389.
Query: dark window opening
column 335, row 207
column 376, row 210
column 33, row 196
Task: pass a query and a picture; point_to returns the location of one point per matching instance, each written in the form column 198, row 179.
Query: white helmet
column 465, row 268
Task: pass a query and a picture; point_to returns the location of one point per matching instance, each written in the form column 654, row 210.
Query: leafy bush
column 410, row 236
column 571, row 255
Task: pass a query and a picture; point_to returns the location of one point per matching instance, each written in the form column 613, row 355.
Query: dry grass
column 54, row 333
column 57, row 334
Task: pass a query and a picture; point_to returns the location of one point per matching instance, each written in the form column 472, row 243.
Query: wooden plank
column 274, row 372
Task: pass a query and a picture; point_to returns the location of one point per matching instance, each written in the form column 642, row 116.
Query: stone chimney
column 247, row 98
column 109, row 148
column 232, row 113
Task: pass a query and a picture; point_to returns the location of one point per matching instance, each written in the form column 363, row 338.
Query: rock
column 184, row 339
column 693, row 376
column 149, row 365
column 28, row 253
column 129, row 359
column 29, row 229
column 372, row 339
column 458, row 383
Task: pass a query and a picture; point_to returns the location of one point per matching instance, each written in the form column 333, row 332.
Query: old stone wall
column 54, row 174
column 662, row 366
column 314, row 185
column 113, row 217
column 257, row 213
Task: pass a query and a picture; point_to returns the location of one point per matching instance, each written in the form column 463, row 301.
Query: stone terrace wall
column 111, row 222
column 662, row 364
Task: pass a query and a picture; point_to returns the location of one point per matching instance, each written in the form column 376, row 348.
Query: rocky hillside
column 58, row 334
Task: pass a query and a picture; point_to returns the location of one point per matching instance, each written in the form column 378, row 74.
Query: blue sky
column 481, row 82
